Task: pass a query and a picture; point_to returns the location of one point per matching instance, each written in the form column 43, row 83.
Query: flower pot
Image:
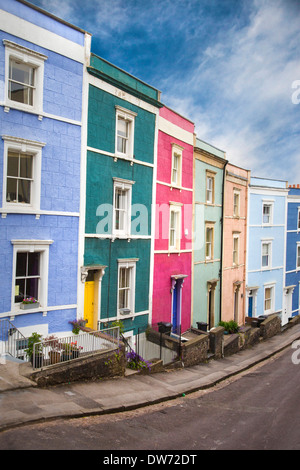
column 66, row 356
column 75, row 354
column 29, row 306
column 54, row 357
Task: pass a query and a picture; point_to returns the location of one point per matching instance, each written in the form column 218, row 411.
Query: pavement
column 22, row 402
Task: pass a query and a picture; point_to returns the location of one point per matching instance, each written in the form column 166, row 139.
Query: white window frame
column 235, row 258
column 269, row 204
column 209, row 189
column 209, row 226
column 298, row 256
column 269, row 254
column 176, row 156
column 126, row 186
column 298, row 220
column 176, row 210
column 129, row 117
column 236, row 193
column 272, row 298
column 41, row 246
column 33, row 59
column 15, row 144
column 129, row 264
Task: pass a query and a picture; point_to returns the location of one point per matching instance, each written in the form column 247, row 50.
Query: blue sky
column 230, row 66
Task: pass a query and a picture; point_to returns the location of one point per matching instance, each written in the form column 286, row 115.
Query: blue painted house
column 292, row 275
column 266, row 247
column 41, row 102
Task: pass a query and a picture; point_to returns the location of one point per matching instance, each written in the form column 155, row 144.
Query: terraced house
column 292, row 275
column 266, row 248
column 42, row 68
column 174, row 222
column 209, row 164
column 235, row 207
column 117, row 263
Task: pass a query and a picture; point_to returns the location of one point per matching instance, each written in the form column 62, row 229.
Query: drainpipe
column 222, row 236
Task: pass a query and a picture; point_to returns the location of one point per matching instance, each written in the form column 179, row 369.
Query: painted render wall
column 59, row 128
column 234, row 275
column 102, row 165
column 173, row 129
column 292, row 276
column 206, row 158
column 260, row 191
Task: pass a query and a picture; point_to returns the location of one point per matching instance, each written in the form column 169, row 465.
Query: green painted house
column 120, row 163
column 209, row 164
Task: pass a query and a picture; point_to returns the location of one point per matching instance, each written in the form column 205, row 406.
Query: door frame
column 287, row 303
column 99, row 273
column 177, row 283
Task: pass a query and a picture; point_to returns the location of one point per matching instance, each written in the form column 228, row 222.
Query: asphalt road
column 256, row 410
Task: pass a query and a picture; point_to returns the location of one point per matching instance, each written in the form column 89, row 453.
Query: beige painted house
column 234, row 243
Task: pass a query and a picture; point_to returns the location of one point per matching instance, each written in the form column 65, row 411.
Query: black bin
column 164, row 327
column 202, row 326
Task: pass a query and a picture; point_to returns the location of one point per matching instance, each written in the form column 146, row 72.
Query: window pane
column 266, row 214
column 120, row 199
column 22, row 73
column 21, row 268
column 122, row 127
column 26, row 166
column 265, row 249
column 13, row 164
column 172, row 222
column 121, row 145
column 32, row 288
column 122, row 281
column 123, row 298
column 24, row 191
column 20, row 93
column 11, row 190
column 33, row 264
column 19, row 290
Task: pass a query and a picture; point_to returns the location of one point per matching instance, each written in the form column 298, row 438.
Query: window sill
column 24, row 108
column 175, row 186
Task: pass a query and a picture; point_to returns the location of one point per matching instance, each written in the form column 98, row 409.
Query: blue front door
column 175, row 308
column 250, row 306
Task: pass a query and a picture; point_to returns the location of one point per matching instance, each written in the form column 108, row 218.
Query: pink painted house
column 234, row 244
column 172, row 281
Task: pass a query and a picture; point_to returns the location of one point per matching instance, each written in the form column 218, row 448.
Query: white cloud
column 242, row 91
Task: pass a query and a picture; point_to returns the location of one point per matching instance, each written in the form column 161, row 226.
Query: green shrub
column 230, row 326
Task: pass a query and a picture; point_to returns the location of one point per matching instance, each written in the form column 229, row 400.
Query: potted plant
column 55, row 348
column 75, row 350
column 70, row 351
column 35, row 353
column 29, row 302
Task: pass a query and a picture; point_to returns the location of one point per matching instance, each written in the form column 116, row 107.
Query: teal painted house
column 116, row 279
column 209, row 164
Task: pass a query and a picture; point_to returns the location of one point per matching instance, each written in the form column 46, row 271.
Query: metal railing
column 55, row 350
column 12, row 341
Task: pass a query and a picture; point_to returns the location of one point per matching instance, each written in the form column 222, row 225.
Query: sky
column 230, row 66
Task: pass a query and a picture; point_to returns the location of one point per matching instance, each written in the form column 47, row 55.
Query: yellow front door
column 89, row 296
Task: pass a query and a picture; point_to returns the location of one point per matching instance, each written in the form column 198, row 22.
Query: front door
column 175, row 308
column 89, row 296
column 250, row 306
column 211, row 308
column 287, row 305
